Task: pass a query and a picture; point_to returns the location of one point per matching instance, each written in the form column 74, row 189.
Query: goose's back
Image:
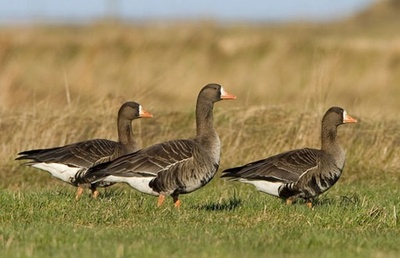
column 81, row 154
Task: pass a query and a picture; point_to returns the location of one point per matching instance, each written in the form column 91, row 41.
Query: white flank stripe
column 139, row 183
column 60, row 171
column 264, row 186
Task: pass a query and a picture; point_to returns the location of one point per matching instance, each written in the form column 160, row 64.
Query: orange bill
column 144, row 113
column 226, row 95
column 349, row 119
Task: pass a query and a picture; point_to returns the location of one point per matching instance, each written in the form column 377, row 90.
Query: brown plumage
column 173, row 167
column 302, row 173
column 73, row 160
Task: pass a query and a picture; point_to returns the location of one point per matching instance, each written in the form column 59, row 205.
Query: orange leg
column 95, row 193
column 160, row 200
column 309, row 204
column 177, row 202
column 79, row 192
column 291, row 200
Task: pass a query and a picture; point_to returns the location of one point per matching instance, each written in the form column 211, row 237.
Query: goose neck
column 125, row 134
column 204, row 118
column 328, row 138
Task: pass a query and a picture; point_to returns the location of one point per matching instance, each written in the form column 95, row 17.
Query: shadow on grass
column 338, row 201
column 223, row 205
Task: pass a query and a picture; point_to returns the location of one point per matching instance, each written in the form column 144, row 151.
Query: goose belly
column 321, row 184
column 57, row 170
column 271, row 188
column 192, row 184
column 316, row 185
column 191, row 187
column 139, row 183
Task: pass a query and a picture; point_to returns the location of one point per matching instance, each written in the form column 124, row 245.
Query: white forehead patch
column 344, row 114
column 223, row 92
column 140, row 110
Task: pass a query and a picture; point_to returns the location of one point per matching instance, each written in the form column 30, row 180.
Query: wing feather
column 81, row 154
column 285, row 167
column 148, row 161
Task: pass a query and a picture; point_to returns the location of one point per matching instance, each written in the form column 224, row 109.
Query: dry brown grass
column 64, row 84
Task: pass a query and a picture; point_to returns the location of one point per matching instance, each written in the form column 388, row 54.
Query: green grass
column 65, row 84
column 232, row 220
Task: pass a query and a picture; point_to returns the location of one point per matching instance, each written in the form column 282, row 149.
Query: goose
column 301, row 173
column 74, row 159
column 174, row 167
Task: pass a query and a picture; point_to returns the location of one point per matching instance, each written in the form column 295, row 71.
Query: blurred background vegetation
column 64, row 83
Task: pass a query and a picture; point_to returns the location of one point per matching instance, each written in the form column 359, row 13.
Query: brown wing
column 146, row 162
column 81, row 154
column 284, row 167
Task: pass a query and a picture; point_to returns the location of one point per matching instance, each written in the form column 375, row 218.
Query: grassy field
column 350, row 221
column 65, row 84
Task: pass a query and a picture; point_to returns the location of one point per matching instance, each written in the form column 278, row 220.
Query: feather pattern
column 81, row 154
column 303, row 173
column 147, row 162
column 71, row 161
column 174, row 167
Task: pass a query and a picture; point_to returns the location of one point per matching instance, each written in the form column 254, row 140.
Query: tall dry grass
column 65, row 84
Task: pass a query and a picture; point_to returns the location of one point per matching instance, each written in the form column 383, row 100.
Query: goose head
column 132, row 110
column 215, row 92
column 336, row 116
